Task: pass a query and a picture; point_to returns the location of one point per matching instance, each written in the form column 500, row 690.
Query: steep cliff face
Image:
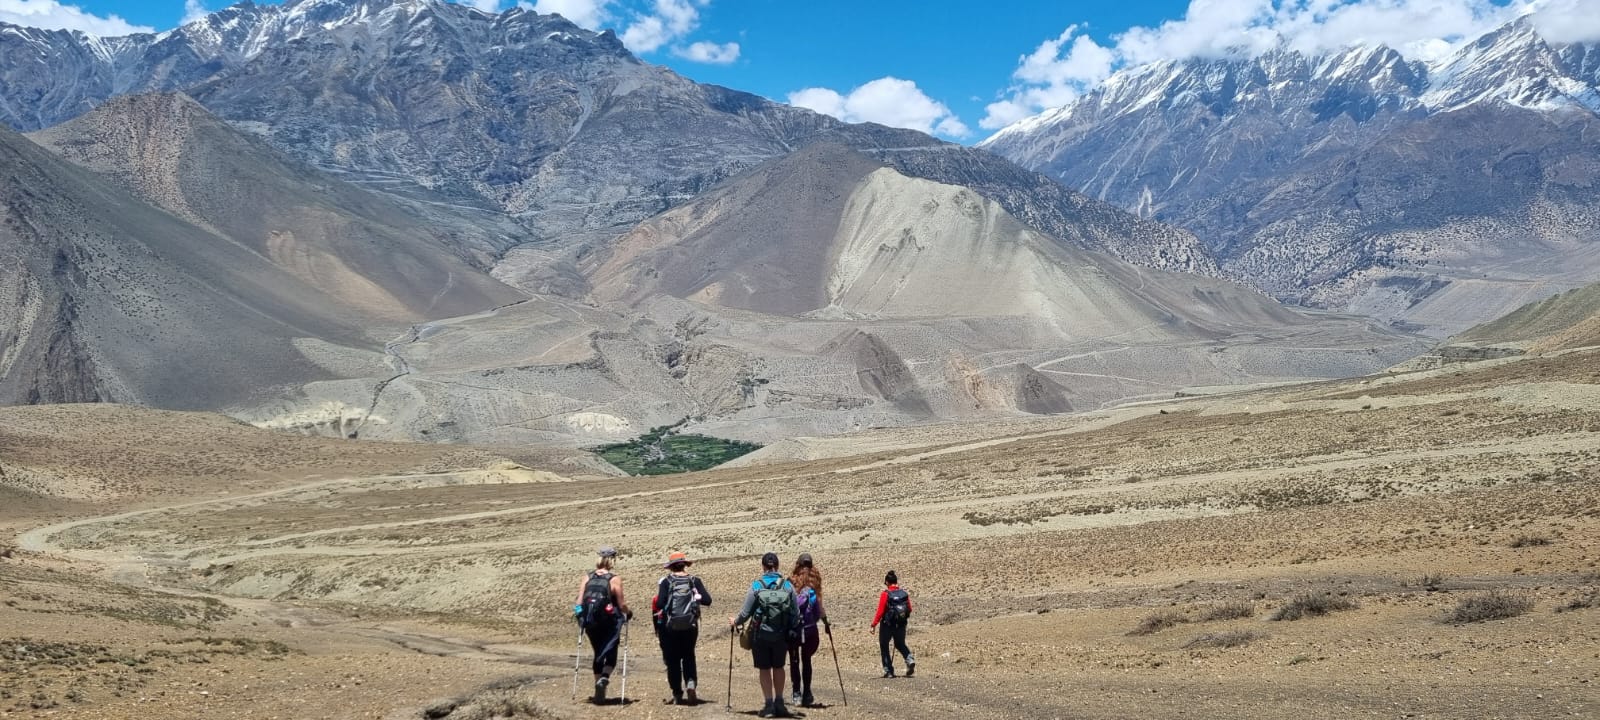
column 1434, row 196
column 385, row 260
column 203, row 271
column 828, row 232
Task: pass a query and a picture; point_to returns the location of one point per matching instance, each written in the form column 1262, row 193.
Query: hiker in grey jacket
column 676, row 609
column 771, row 603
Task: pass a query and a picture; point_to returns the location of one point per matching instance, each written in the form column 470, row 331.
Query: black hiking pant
column 604, row 638
column 897, row 633
column 677, row 650
column 800, row 660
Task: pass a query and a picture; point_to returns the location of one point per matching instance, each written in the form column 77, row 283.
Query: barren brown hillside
column 1034, row 552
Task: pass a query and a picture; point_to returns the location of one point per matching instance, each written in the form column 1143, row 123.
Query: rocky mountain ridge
column 1434, row 196
column 518, row 112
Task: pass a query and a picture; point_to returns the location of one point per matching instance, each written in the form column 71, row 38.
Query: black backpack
column 682, row 611
column 597, row 605
column 774, row 611
column 898, row 609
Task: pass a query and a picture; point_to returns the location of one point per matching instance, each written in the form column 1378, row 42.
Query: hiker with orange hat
column 679, row 597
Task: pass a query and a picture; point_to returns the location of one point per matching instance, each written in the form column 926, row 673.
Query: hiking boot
column 779, row 711
column 600, row 690
column 807, row 699
column 794, row 697
column 888, row 672
column 911, row 669
column 689, row 689
column 766, row 710
column 677, row 699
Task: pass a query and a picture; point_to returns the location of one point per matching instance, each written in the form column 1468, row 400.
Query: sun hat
column 676, row 558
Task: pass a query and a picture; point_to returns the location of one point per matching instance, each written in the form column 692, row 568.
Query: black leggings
column 800, row 660
column 887, row 632
column 604, row 636
column 677, row 649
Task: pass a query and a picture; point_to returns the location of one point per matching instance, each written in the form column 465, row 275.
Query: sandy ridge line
column 1570, row 441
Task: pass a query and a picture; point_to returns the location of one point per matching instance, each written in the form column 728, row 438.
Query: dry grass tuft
column 1235, row 610
column 1525, row 541
column 1157, row 621
column 1313, row 605
column 1492, row 605
column 1582, row 602
column 508, row 698
column 1231, row 638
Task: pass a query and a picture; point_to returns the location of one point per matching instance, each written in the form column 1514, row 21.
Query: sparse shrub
column 508, row 698
column 1525, row 541
column 1492, row 605
column 1236, row 610
column 1582, row 602
column 1430, row 582
column 1313, row 605
column 1231, row 638
column 1157, row 621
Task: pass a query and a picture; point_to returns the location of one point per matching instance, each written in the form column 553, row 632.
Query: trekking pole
column 625, row 625
column 730, row 668
column 836, row 669
column 577, row 657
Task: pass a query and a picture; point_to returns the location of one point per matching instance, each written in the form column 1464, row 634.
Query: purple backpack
column 810, row 608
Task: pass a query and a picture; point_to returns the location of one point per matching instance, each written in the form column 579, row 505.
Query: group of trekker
column 778, row 623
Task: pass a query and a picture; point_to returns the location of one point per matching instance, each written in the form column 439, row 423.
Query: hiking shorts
column 769, row 655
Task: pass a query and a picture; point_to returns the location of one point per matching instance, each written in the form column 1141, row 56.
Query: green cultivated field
column 663, row 452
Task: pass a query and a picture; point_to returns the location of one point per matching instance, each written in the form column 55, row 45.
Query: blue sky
column 952, row 67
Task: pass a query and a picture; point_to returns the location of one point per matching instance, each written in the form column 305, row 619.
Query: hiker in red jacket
column 894, row 610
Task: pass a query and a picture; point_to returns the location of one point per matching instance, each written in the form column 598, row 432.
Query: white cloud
column 667, row 21
column 644, row 27
column 52, row 15
column 887, row 101
column 193, row 10
column 1565, row 21
column 709, row 52
column 1063, row 68
column 588, row 14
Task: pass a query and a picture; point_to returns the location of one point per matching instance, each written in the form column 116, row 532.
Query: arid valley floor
column 165, row 565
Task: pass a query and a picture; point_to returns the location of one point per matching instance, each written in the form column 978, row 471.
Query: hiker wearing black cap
column 602, row 609
column 679, row 597
column 774, row 612
column 894, row 611
column 807, row 581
